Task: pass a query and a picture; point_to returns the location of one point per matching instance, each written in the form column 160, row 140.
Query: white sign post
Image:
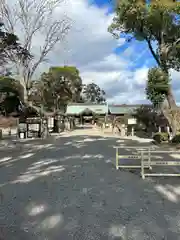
column 132, row 121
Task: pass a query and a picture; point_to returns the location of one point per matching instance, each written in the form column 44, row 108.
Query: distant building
column 125, row 114
column 77, row 109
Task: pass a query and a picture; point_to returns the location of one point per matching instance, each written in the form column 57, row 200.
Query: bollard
column 142, row 165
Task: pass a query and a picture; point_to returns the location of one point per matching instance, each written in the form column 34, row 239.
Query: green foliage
column 160, row 137
column 143, row 20
column 157, row 86
column 54, row 90
column 9, row 85
column 155, row 22
column 170, row 3
column 58, row 87
column 92, row 93
column 9, row 105
column 149, row 117
column 176, row 139
column 11, row 92
column 158, row 25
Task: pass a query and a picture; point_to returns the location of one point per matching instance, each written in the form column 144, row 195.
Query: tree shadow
column 54, row 189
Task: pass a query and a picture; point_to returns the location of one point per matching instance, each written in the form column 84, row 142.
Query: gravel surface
column 66, row 187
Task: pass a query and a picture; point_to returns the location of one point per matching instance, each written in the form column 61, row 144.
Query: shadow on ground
column 68, row 188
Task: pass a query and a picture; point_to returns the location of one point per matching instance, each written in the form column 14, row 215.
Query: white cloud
column 91, row 50
column 88, row 40
column 140, row 75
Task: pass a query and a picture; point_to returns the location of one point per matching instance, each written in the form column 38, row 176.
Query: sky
column 120, row 68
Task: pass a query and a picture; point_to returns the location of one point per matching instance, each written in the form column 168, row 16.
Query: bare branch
column 57, row 33
column 33, row 19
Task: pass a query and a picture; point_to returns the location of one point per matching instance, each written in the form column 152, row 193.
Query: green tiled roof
column 80, row 108
column 122, row 109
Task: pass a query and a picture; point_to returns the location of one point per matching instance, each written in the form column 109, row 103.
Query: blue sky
column 139, row 47
column 102, row 3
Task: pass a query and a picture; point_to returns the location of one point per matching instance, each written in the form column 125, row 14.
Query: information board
column 132, row 121
column 33, row 127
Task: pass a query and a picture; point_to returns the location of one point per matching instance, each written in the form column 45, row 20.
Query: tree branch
column 56, row 33
column 152, row 51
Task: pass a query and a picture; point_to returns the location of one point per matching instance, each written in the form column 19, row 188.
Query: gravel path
column 67, row 188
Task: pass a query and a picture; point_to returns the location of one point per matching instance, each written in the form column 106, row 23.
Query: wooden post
column 149, row 158
column 132, row 131
column 126, row 131
column 117, row 158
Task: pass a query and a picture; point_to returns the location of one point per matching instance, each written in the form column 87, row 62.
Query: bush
column 176, row 139
column 161, row 137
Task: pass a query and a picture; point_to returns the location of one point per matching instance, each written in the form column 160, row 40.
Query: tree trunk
column 172, row 113
column 25, row 95
column 170, row 99
column 172, row 105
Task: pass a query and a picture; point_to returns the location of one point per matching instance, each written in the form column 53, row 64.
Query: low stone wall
column 9, row 122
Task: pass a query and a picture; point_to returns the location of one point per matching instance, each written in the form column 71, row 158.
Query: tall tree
column 93, row 93
column 59, row 86
column 154, row 23
column 37, row 20
column 9, row 44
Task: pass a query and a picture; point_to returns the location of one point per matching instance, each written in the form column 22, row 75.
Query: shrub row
column 176, row 139
column 160, row 137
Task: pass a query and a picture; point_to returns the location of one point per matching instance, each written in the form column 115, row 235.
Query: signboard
column 33, row 120
column 165, row 163
column 132, row 121
column 88, row 117
column 129, row 157
column 98, row 110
